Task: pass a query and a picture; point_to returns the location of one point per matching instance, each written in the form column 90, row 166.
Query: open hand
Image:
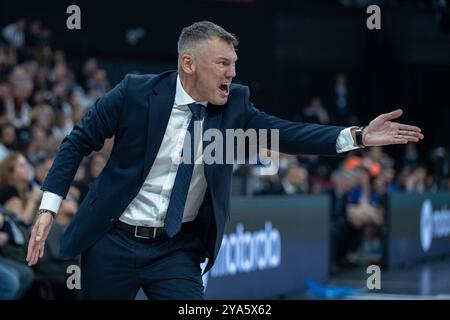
column 383, row 131
column 38, row 236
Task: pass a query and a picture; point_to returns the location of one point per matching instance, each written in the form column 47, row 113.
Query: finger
column 36, row 255
column 42, row 246
column 32, row 259
column 412, row 139
column 405, row 133
column 41, row 251
column 30, row 253
column 409, row 128
column 31, row 247
column 399, row 140
column 36, row 242
column 32, row 243
column 392, row 115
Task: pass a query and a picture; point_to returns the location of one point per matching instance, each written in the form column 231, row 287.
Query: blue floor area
column 425, row 280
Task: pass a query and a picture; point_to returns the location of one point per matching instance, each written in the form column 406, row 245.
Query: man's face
column 213, row 69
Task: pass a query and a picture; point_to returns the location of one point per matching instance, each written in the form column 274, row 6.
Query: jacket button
column 112, row 220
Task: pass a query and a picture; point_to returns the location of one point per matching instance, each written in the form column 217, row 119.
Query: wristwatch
column 359, row 137
column 45, row 210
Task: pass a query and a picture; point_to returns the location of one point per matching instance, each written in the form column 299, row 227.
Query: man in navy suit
column 148, row 221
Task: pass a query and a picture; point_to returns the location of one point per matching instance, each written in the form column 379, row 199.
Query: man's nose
column 231, row 72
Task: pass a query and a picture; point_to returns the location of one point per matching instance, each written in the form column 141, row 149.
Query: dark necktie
column 174, row 215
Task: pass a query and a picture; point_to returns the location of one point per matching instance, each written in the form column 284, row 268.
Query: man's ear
column 187, row 63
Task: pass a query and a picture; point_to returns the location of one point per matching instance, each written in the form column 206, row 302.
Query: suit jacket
column 137, row 111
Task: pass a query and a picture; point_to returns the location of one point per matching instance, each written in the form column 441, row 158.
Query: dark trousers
column 117, row 265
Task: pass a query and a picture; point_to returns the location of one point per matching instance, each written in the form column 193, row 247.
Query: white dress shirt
column 149, row 207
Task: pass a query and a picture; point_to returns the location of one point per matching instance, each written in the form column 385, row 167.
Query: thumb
column 392, row 115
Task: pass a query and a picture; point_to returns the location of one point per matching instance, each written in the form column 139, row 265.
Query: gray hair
column 200, row 31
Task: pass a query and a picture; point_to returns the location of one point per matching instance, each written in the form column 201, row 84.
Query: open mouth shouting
column 225, row 89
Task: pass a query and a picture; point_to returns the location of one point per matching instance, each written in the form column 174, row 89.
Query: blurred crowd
column 41, row 98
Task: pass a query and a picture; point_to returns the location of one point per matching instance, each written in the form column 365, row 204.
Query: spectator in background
column 17, row 106
column 376, row 154
column 99, row 81
column 90, row 66
column 59, row 58
column 366, row 216
column 59, row 73
column 41, row 82
column 44, row 56
column 41, row 143
column 78, row 99
column 403, row 176
column 385, row 182
column 9, row 285
column 14, row 33
column 16, row 195
column 58, row 99
column 440, row 160
column 295, row 181
column 321, row 182
column 42, row 117
column 341, row 100
column 63, row 126
column 15, row 277
column 310, row 161
column 416, row 182
column 77, row 113
column 8, row 140
column 6, row 64
column 316, row 112
column 343, row 237
column 363, row 203
column 341, row 97
column 34, row 36
column 411, row 157
column 42, row 166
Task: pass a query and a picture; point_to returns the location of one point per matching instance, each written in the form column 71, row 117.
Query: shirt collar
column 182, row 97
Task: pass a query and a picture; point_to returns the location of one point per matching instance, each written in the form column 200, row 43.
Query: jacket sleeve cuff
column 345, row 141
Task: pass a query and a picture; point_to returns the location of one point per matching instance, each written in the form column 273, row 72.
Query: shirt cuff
column 345, row 141
column 50, row 201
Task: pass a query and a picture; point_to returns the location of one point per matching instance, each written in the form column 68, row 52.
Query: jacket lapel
column 160, row 107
